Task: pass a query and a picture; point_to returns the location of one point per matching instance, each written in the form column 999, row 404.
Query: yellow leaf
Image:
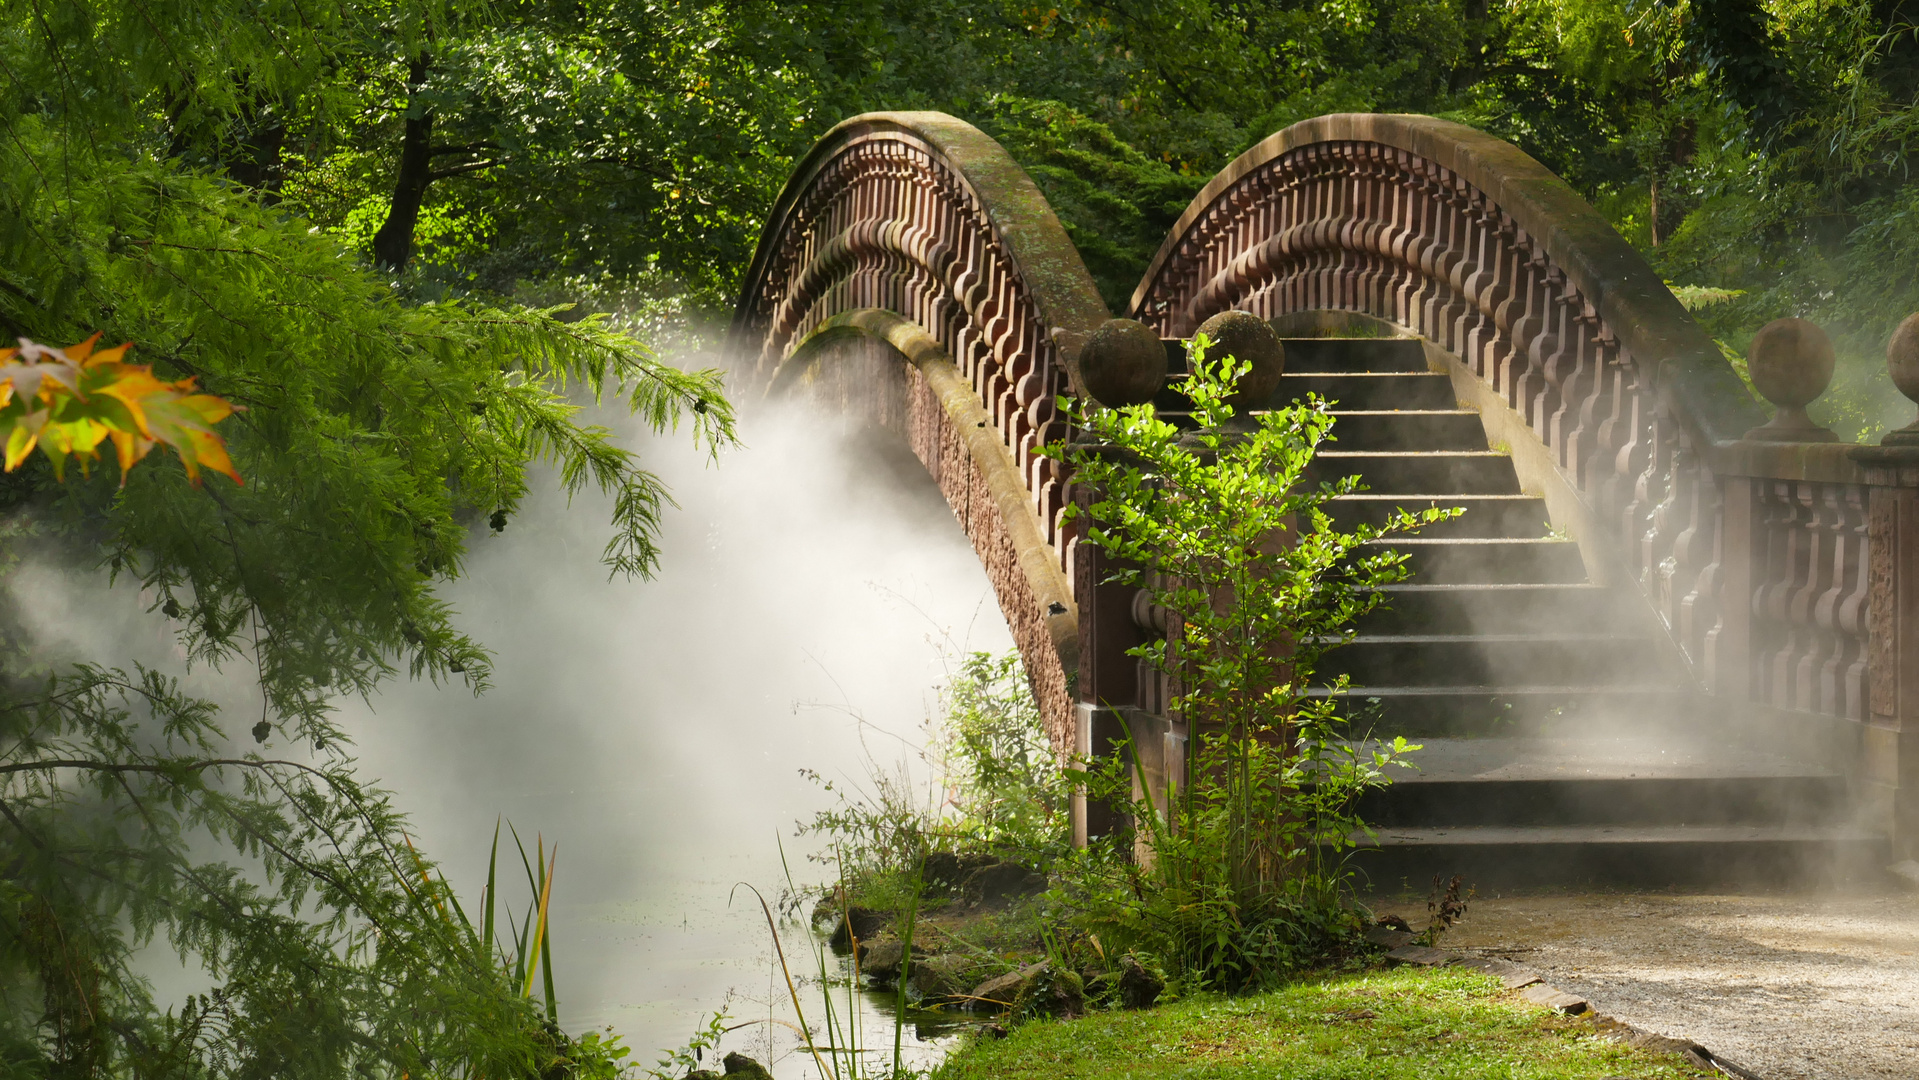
column 138, row 390
column 90, row 397
column 78, row 353
column 21, row 440
column 212, row 453
column 104, row 356
column 130, row 448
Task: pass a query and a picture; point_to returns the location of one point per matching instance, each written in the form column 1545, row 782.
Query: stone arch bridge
column 1666, row 641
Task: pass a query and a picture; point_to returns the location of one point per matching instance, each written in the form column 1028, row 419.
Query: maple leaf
column 69, row 401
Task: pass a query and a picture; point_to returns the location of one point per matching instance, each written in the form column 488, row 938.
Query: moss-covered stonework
column 878, row 366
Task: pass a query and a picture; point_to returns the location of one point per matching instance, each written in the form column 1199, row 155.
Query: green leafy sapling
column 1220, row 527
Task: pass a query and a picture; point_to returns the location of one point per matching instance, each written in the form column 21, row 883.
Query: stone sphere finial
column 1902, row 363
column 1122, row 363
column 1790, row 361
column 1250, row 340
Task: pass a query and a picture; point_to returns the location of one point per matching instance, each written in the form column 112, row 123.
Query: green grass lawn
column 1432, row 1025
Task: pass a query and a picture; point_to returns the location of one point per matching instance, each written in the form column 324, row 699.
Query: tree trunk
column 1652, row 214
column 256, row 161
column 393, row 244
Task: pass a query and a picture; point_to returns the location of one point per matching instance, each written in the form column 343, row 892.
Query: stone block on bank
column 864, row 923
column 1139, row 988
column 1554, row 998
column 880, row 960
column 943, row 978
column 1052, row 992
column 741, row 1067
column 1511, row 976
column 1388, row 937
column 1001, row 883
column 1422, row 956
column 1001, row 991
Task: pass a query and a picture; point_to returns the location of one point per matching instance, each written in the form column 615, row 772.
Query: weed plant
column 1233, row 874
column 998, row 792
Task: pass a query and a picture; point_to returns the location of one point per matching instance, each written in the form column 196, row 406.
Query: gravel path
column 1791, row 987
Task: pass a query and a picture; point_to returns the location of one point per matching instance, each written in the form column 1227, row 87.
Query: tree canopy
column 408, row 239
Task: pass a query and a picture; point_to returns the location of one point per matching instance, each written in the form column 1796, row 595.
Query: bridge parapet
column 1787, row 572
column 917, row 231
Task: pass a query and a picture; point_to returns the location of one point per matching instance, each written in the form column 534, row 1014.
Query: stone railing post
column 1892, row 601
column 1818, row 571
column 1791, row 363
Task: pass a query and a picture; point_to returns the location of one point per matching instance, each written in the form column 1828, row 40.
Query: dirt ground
column 1792, row 987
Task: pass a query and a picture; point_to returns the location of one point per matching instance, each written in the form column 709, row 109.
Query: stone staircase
column 1563, row 741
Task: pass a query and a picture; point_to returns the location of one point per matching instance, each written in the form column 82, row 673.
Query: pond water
column 813, row 590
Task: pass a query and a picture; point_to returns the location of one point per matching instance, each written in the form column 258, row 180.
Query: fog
column 655, row 729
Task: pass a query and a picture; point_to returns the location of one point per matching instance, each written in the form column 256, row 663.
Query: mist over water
column 656, row 729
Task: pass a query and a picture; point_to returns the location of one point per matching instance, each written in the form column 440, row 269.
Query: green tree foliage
column 332, row 943
column 144, row 164
column 1754, row 145
column 1117, row 204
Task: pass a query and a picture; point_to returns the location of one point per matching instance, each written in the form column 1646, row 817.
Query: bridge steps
column 1512, row 516
column 1503, row 711
column 1549, row 707
column 1409, row 429
column 1489, row 659
column 1417, row 607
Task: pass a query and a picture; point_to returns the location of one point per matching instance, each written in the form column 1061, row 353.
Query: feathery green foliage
column 330, row 940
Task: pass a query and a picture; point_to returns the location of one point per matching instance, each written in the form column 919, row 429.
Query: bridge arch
column 912, row 273
column 1468, row 242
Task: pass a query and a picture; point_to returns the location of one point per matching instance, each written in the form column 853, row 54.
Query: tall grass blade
column 487, row 898
column 780, row 951
column 544, row 885
column 906, row 958
column 546, row 945
column 520, row 941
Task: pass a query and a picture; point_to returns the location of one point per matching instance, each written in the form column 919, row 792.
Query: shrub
column 1243, row 859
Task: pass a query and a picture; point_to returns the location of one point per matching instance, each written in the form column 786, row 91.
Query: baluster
column 1525, row 313
column 1405, row 247
column 1841, row 610
column 1620, row 489
column 1702, row 611
column 1616, row 419
column 1647, row 515
column 1447, row 305
column 1569, row 430
column 1797, row 571
column 1773, row 638
column 1488, row 287
column 1810, row 642
column 1551, row 353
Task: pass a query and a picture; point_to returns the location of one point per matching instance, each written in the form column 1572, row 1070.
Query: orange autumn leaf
column 69, row 401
